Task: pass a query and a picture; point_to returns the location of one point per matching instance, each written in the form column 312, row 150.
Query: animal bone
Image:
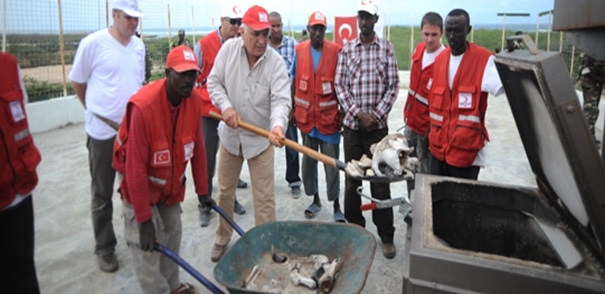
column 390, row 153
column 249, row 282
column 326, row 281
column 297, row 279
column 319, row 260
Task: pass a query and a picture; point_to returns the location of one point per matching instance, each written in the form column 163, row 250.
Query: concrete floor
column 64, row 240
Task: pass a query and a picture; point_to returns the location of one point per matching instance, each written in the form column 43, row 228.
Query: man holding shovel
column 248, row 82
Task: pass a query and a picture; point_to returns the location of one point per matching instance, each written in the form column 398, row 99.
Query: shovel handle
column 333, row 162
column 187, row 267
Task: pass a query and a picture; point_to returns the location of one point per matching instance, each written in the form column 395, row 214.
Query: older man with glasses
column 206, row 50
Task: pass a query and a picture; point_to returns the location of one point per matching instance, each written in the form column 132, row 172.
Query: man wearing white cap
column 250, row 82
column 108, row 67
column 206, row 50
column 367, row 83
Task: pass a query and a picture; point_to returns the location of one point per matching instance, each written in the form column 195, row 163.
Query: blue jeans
column 309, row 168
column 292, row 166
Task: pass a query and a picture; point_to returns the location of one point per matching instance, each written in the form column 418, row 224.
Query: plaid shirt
column 367, row 80
column 287, row 51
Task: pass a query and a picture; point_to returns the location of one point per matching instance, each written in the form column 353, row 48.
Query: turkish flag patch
column 161, row 157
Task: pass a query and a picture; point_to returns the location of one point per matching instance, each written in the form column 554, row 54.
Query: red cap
column 318, row 18
column 182, row 59
column 257, row 18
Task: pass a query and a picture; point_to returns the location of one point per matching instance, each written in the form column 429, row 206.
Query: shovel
column 333, row 162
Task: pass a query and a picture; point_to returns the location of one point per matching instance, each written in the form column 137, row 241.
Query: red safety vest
column 457, row 117
column 169, row 152
column 18, row 154
column 210, row 45
column 315, row 100
column 416, row 110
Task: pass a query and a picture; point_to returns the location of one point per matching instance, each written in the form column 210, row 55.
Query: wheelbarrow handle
column 368, row 206
column 187, row 267
column 220, row 211
column 331, row 161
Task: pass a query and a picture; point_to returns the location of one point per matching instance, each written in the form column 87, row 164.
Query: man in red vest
column 206, row 50
column 463, row 75
column 316, row 110
column 18, row 178
column 160, row 134
column 416, row 110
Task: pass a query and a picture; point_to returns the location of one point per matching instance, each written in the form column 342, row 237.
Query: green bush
column 43, row 90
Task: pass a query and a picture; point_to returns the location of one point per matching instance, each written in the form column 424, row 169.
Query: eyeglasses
column 235, row 21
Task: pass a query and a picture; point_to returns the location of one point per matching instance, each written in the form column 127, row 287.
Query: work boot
column 217, row 252
column 241, row 184
column 238, row 208
column 388, row 250
column 205, row 215
column 108, row 262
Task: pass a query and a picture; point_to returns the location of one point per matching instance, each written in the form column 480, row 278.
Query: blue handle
column 187, row 267
column 220, row 211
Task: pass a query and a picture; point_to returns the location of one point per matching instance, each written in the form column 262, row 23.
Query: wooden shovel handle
column 288, row 143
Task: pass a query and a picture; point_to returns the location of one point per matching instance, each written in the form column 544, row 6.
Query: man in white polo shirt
column 108, row 68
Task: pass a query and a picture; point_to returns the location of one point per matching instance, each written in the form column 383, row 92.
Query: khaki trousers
column 155, row 272
column 262, row 180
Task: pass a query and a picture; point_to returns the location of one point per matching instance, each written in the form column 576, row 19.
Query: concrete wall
column 55, row 113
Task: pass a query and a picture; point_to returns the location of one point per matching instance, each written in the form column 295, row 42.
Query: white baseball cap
column 232, row 11
column 369, row 6
column 130, row 7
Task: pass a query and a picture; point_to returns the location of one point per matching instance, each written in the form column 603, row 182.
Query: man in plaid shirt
column 285, row 46
column 367, row 84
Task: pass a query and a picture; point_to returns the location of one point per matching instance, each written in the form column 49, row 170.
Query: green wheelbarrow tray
column 355, row 245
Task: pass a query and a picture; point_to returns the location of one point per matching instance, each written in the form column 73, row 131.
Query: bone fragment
column 297, row 279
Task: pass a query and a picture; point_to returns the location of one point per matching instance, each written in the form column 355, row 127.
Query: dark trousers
column 292, row 165
column 441, row 168
column 17, row 268
column 102, row 175
column 209, row 128
column 357, row 143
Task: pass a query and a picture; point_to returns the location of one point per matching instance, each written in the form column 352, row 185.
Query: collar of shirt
column 376, row 41
column 220, row 36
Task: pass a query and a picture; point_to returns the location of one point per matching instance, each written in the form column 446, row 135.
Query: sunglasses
column 235, row 21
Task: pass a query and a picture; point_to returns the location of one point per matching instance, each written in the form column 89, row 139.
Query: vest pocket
column 468, row 137
column 303, row 84
column 437, row 97
column 436, row 131
column 300, row 111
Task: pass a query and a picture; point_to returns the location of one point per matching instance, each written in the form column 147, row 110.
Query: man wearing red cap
column 250, row 83
column 161, row 132
column 206, row 50
column 316, row 110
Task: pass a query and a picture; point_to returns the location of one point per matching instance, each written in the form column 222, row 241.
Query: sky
column 32, row 15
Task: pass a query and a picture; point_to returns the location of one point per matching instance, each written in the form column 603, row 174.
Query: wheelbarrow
column 353, row 244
